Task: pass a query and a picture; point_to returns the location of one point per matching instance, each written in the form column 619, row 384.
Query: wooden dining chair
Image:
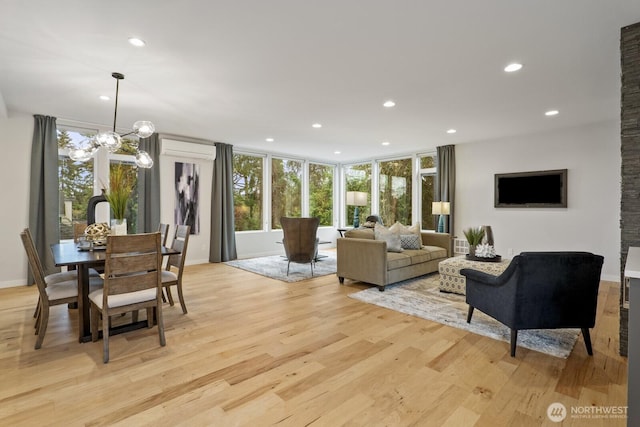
column 132, row 282
column 163, row 229
column 170, row 277
column 78, row 230
column 53, row 289
column 63, row 276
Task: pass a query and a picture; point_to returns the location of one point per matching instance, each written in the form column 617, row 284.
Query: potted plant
column 474, row 237
column 121, row 183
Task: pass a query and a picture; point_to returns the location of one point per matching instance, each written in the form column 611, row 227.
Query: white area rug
column 275, row 267
column 421, row 297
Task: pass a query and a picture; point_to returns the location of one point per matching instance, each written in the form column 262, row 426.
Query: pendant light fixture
column 112, row 141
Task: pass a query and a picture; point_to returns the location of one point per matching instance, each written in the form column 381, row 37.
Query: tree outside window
column 78, row 181
column 395, row 191
column 358, row 178
column 427, row 189
column 286, row 190
column 75, row 182
column 321, row 192
column 247, row 191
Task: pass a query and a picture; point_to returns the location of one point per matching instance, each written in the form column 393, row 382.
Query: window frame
column 433, row 171
column 265, row 196
column 411, row 192
column 307, row 198
column 101, row 163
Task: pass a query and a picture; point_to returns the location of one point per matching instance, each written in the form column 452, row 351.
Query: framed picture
column 187, row 190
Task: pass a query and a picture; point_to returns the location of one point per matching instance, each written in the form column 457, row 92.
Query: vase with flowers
column 121, row 183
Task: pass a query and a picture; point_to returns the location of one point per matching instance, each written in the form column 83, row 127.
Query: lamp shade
column 357, row 198
column 440, row 208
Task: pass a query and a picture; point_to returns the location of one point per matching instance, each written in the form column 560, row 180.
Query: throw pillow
column 399, row 228
column 393, row 240
column 410, row 241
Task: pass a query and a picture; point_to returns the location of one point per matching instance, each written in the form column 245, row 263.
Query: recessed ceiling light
column 136, row 42
column 269, row 139
column 513, row 67
column 316, row 125
column 386, row 143
column 389, row 104
column 552, row 113
column 104, row 97
column 451, row 131
column 337, row 152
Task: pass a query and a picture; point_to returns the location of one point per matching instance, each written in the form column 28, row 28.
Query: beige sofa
column 362, row 258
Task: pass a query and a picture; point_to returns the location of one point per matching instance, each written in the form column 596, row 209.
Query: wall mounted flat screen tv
column 539, row 189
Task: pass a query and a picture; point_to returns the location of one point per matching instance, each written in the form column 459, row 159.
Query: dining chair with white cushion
column 131, row 282
column 174, row 277
column 59, row 277
column 54, row 289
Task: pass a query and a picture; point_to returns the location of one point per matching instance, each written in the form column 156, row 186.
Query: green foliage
column 75, row 180
column 286, row 190
column 474, row 235
column 395, row 191
column 122, row 180
column 321, row 193
column 129, row 147
column 429, row 220
column 247, row 192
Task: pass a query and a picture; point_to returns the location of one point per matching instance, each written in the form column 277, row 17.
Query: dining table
column 74, row 255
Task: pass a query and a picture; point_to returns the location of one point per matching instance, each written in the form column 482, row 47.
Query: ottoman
column 452, row 281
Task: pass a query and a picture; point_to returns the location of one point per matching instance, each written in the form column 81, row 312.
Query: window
column 395, row 183
column 247, row 191
column 75, row 182
column 321, row 193
column 79, row 181
column 357, row 178
column 427, row 190
column 286, row 190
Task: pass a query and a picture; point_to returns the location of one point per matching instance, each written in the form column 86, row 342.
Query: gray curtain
column 44, row 193
column 446, row 182
column 149, row 187
column 223, row 237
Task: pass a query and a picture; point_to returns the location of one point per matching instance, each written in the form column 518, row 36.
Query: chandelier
column 112, row 141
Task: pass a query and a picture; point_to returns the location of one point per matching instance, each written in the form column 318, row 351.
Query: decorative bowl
column 97, row 233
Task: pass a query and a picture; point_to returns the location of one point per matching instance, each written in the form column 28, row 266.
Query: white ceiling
column 241, row 71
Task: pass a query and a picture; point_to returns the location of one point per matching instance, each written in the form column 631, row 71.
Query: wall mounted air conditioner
column 191, row 150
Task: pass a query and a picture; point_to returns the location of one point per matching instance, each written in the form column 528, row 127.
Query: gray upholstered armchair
column 539, row 290
column 300, row 241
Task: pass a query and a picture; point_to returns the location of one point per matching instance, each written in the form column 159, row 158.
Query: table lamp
column 357, row 199
column 442, row 209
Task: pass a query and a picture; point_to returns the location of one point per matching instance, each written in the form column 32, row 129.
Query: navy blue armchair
column 539, row 290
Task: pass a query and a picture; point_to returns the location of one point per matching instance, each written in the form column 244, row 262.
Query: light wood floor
column 255, row 351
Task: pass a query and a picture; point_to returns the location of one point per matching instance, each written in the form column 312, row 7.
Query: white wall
column 590, row 222
column 16, row 134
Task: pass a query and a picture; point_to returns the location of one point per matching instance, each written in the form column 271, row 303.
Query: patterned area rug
column 275, row 267
column 421, row 297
